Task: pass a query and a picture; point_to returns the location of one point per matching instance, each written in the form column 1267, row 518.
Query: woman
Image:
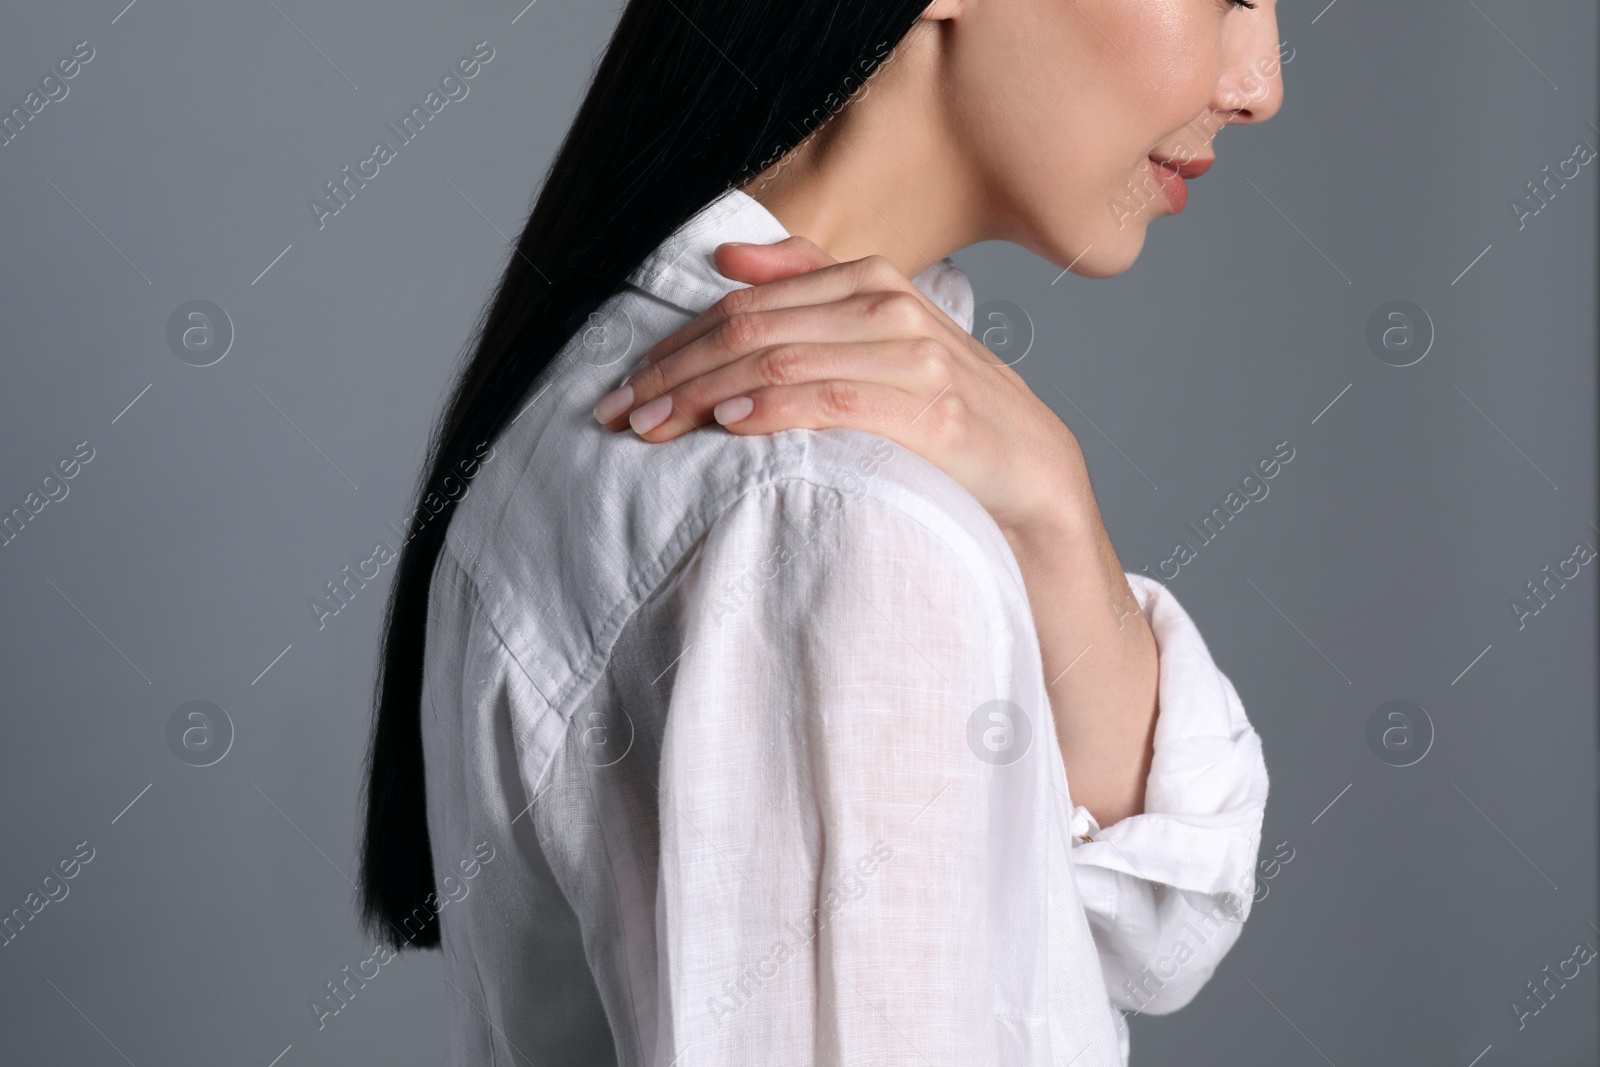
column 800, row 711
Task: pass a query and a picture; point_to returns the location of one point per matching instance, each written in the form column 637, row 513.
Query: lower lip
column 1176, row 188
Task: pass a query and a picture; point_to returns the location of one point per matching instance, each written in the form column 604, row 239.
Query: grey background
column 1380, row 566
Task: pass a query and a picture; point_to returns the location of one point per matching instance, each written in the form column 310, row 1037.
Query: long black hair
column 691, row 97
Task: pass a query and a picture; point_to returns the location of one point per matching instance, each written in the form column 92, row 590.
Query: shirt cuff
column 1207, row 789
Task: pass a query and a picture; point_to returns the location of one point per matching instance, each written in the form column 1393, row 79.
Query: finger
column 824, row 285
column 899, row 364
column 760, row 264
column 863, row 317
column 830, row 404
column 753, row 263
column 765, row 265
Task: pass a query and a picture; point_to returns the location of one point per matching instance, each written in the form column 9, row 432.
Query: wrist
column 1050, row 530
column 1062, row 516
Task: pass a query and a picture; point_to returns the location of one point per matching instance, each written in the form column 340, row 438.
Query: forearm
column 1100, row 658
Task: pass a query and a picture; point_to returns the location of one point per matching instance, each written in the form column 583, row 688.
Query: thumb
column 759, row 264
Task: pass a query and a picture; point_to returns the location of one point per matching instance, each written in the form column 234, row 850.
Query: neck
column 883, row 177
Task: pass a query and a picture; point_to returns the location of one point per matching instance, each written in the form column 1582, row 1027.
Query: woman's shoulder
column 565, row 518
column 557, row 488
column 566, row 521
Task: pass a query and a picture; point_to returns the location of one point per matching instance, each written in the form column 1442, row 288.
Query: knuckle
column 839, row 399
column 782, row 365
column 649, row 379
column 947, row 413
column 737, row 302
column 741, row 332
column 898, row 309
column 927, row 357
column 879, row 269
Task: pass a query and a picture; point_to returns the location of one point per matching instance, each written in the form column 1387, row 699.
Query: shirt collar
column 681, row 270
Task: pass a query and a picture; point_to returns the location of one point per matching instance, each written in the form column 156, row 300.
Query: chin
column 1109, row 254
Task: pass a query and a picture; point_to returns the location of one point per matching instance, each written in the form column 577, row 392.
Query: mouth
column 1171, row 174
column 1190, row 168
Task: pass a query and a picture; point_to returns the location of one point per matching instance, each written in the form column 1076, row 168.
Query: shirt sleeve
column 1167, row 891
column 855, row 810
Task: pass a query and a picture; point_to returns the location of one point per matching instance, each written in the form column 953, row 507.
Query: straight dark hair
column 692, row 97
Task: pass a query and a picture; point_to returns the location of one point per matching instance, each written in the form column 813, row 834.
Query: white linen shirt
column 754, row 731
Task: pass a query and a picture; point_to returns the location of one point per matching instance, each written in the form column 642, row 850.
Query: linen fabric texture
column 757, row 730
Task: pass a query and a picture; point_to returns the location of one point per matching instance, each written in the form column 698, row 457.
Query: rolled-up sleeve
column 1167, row 891
column 844, row 878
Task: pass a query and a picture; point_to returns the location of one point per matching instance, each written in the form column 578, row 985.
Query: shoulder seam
column 782, row 469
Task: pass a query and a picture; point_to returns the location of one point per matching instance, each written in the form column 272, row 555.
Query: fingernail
column 613, row 404
column 651, row 415
column 730, row 411
column 733, row 244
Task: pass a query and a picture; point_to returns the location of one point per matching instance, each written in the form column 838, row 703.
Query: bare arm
column 1100, row 659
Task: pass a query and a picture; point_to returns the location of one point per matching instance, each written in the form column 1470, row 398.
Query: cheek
column 1088, row 87
column 1171, row 57
column 1034, row 82
column 1176, row 35
column 1064, row 100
